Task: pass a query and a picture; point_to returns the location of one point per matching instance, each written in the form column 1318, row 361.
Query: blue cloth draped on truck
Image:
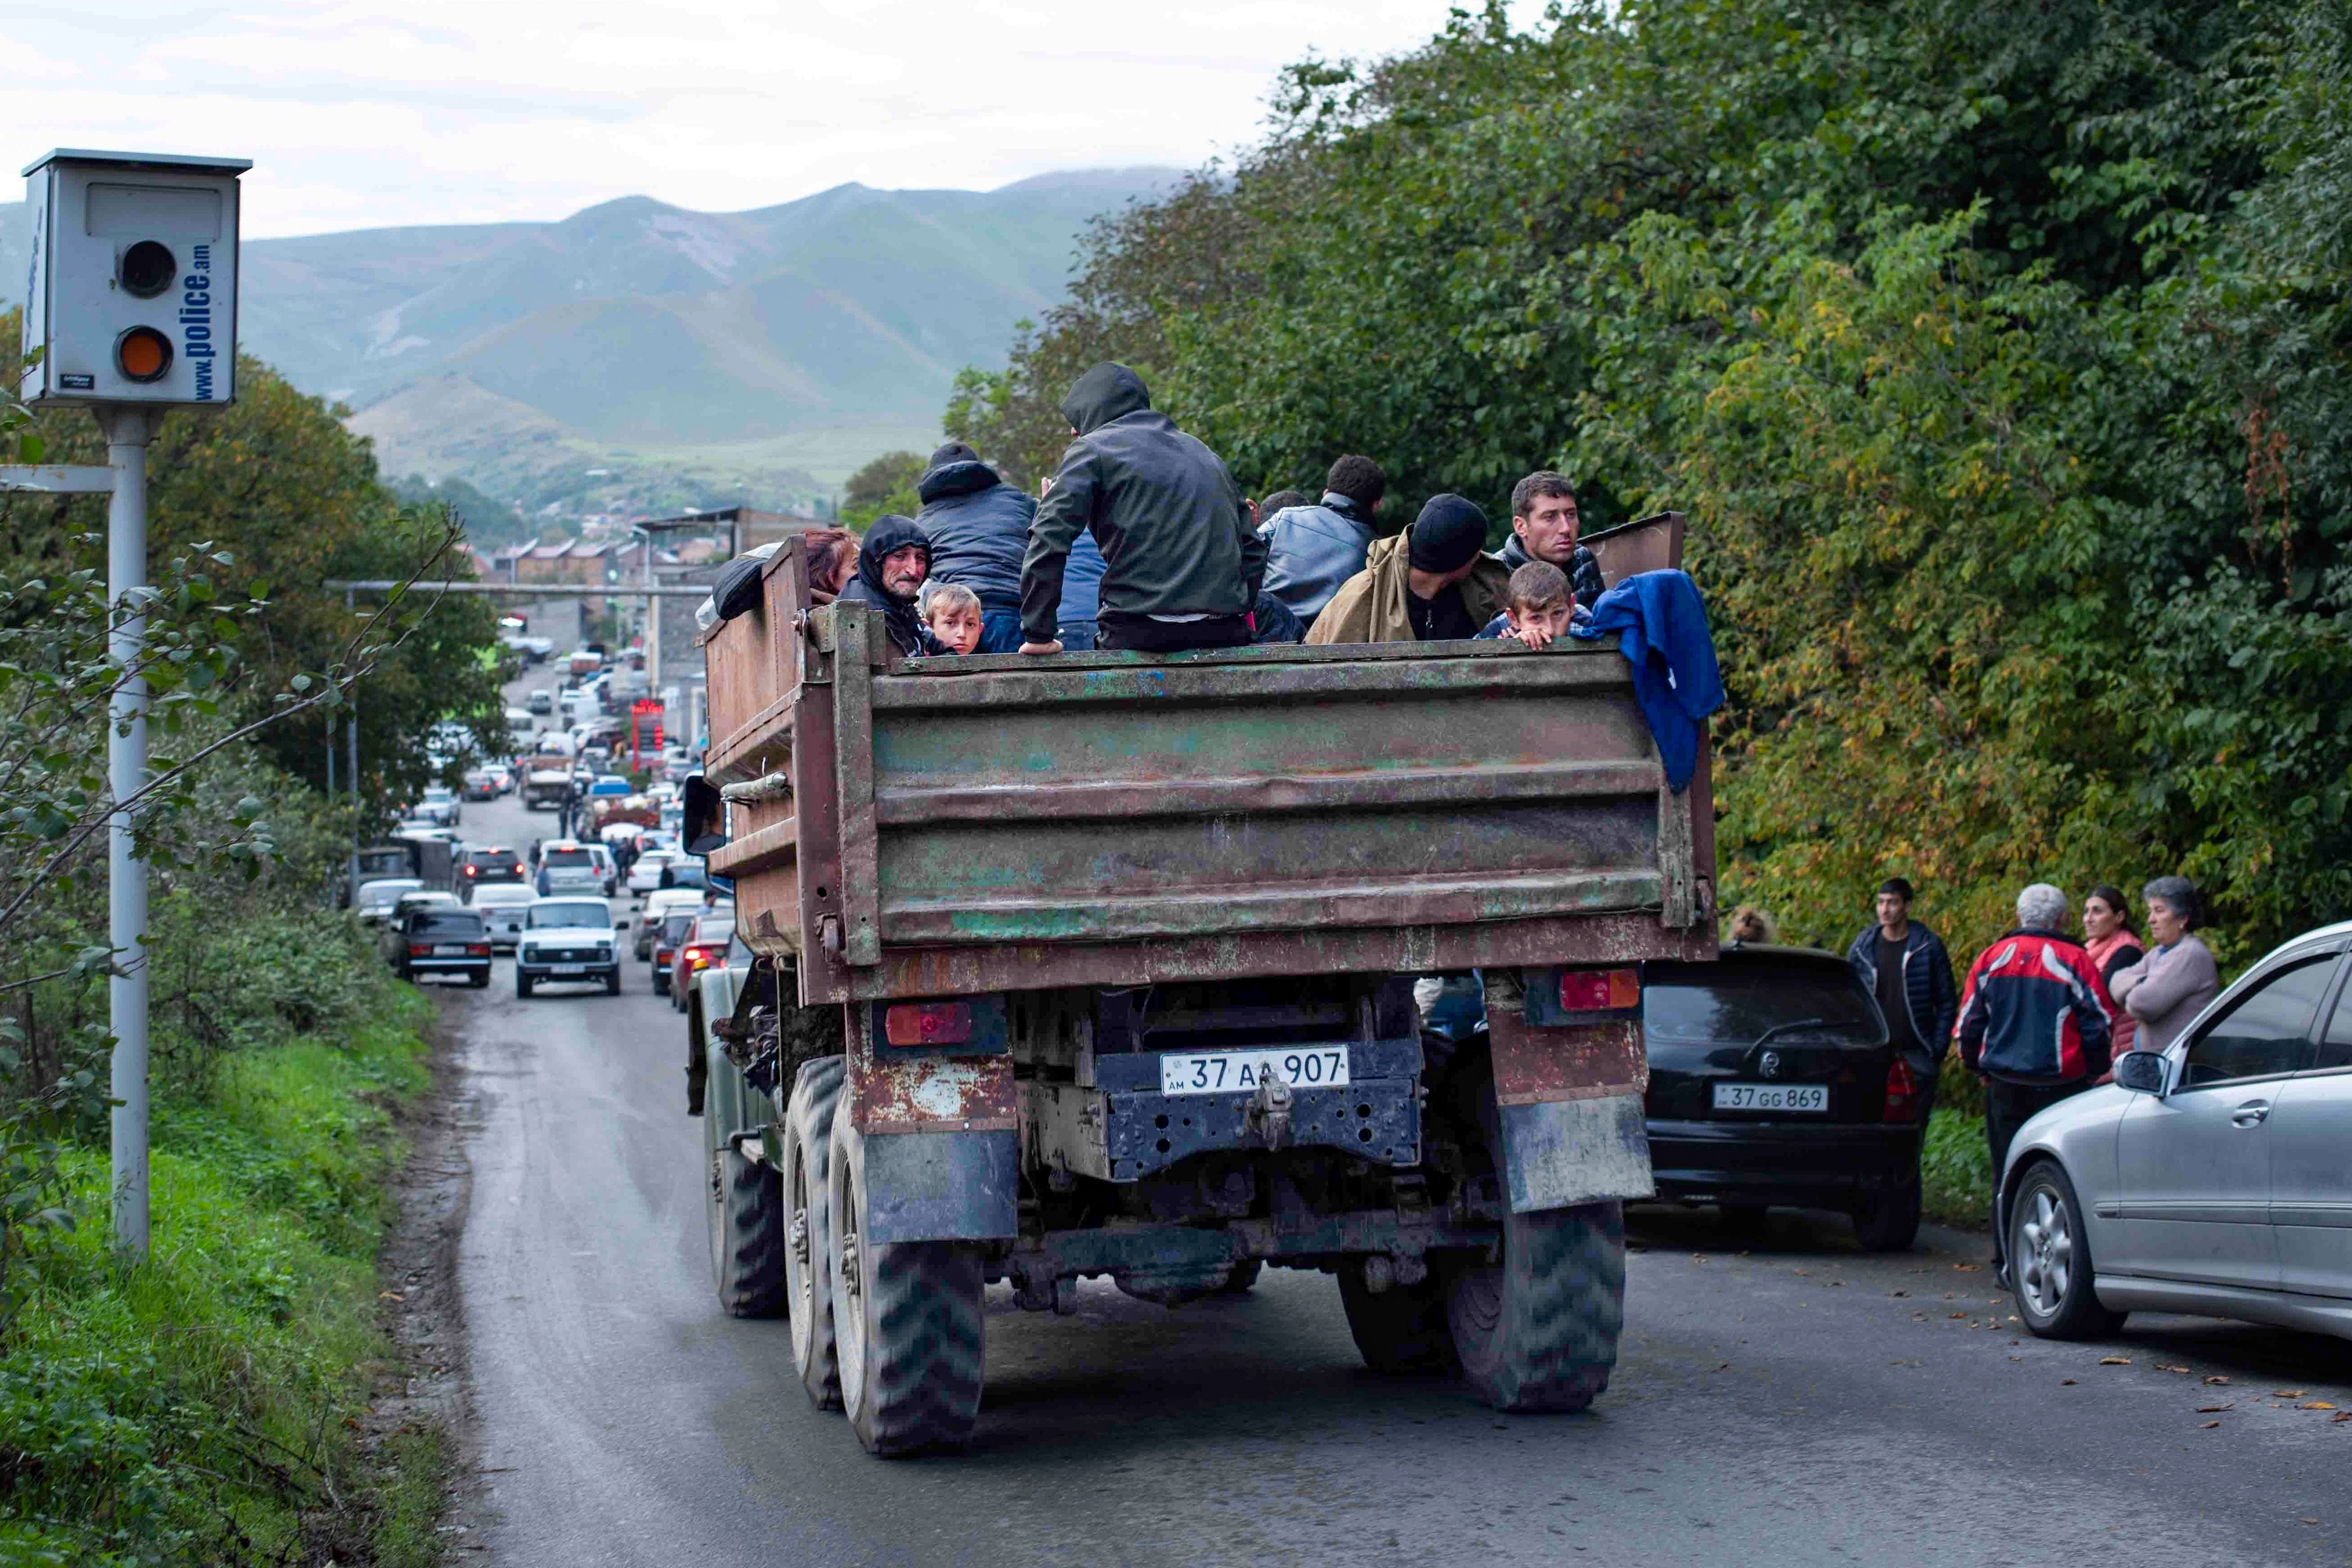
column 1661, row 626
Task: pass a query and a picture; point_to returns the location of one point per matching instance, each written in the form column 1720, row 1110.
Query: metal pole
column 352, row 734
column 128, row 430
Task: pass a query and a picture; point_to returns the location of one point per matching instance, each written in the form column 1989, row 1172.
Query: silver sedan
column 2212, row 1178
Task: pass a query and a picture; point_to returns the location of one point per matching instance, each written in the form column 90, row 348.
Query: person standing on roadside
column 2107, row 937
column 1905, row 965
column 1183, row 562
column 2169, row 987
column 2033, row 1026
column 1544, row 525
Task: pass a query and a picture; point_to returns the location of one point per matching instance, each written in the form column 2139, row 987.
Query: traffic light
column 132, row 294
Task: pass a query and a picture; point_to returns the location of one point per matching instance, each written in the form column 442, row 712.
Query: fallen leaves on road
column 2311, row 1521
column 2290, row 1393
column 2211, row 1425
column 2066, row 1383
column 2340, row 1415
column 1900, row 1293
column 2114, row 1361
column 2214, row 1409
column 2317, row 1404
column 2182, row 1370
column 1968, row 1268
column 2217, row 1382
column 1959, row 1314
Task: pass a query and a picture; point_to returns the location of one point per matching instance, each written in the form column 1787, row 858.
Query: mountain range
column 638, row 354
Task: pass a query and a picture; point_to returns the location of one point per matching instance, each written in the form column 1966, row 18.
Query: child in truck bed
column 953, row 613
column 1539, row 606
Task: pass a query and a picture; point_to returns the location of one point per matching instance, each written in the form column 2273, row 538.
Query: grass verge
column 207, row 1406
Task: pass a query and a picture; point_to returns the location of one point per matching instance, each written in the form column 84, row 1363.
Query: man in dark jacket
column 891, row 566
column 2033, row 1025
column 1311, row 550
column 978, row 526
column 1544, row 523
column 1183, row 562
column 1905, row 965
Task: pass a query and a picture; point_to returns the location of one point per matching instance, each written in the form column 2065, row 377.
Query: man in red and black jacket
column 2033, row 1024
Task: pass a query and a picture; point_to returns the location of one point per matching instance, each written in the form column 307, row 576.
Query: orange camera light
column 143, row 354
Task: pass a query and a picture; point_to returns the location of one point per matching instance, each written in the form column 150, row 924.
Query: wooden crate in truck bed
column 942, row 827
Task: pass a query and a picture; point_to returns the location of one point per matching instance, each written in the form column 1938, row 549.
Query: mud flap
column 941, row 1186
column 1572, row 1120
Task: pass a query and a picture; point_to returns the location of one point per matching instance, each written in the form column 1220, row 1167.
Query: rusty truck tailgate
column 949, row 826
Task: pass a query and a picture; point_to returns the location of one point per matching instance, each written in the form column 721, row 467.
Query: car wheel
column 522, row 985
column 1888, row 1219
column 1742, row 1221
column 2050, row 1259
column 480, row 982
column 661, row 984
column 613, row 982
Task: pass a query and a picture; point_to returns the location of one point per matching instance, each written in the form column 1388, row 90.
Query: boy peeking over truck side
column 954, row 615
column 1539, row 607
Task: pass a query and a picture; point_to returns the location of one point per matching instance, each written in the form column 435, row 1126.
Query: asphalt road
column 1796, row 1402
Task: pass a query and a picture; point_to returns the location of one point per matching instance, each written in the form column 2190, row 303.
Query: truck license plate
column 1225, row 1072
column 568, row 969
column 1810, row 1099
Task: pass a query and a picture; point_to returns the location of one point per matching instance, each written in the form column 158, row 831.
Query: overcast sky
column 372, row 112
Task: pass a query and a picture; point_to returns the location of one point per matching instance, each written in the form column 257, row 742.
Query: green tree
column 884, row 485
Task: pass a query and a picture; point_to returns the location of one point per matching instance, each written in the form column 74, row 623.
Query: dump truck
column 1103, row 966
column 546, row 781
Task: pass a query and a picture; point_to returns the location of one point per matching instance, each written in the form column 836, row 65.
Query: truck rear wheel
column 1402, row 1329
column 745, row 1209
column 808, row 1233
column 1537, row 1329
column 906, row 1323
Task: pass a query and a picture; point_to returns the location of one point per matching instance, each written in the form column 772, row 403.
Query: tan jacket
column 1370, row 606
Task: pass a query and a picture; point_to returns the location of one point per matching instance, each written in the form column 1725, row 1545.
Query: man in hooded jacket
column 891, row 566
column 1182, row 559
column 978, row 529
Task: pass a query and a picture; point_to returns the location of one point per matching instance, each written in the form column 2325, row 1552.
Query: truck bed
column 951, row 826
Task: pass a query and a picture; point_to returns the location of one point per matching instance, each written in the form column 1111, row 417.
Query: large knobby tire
column 2050, row 1259
column 1888, row 1219
column 745, row 1208
column 1402, row 1329
column 808, row 1230
column 1538, row 1329
column 907, row 1322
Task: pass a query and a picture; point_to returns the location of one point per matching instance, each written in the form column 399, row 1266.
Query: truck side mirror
column 706, row 816
column 2142, row 1070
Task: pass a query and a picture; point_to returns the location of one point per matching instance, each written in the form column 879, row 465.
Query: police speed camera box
column 133, row 293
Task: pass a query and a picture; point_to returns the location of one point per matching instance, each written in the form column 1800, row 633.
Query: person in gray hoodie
column 2167, row 988
column 978, row 530
column 1182, row 559
column 1311, row 550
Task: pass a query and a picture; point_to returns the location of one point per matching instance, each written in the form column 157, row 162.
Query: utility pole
column 128, row 429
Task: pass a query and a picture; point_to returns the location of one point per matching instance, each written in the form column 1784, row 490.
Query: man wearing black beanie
column 1430, row 584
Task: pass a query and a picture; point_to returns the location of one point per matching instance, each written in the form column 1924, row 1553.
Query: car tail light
column 700, row 958
column 420, row 949
column 478, row 949
column 1902, row 1092
column 927, row 1023
column 473, row 871
column 1599, row 990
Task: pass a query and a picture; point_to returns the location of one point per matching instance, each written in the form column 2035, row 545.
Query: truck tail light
column 927, row 1023
column 1902, row 1092
column 1599, row 990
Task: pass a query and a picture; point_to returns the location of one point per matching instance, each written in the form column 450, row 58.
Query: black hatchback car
column 484, row 863
column 1771, row 1082
column 441, row 940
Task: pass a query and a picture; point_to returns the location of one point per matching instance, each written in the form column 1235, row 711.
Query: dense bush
column 2000, row 352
